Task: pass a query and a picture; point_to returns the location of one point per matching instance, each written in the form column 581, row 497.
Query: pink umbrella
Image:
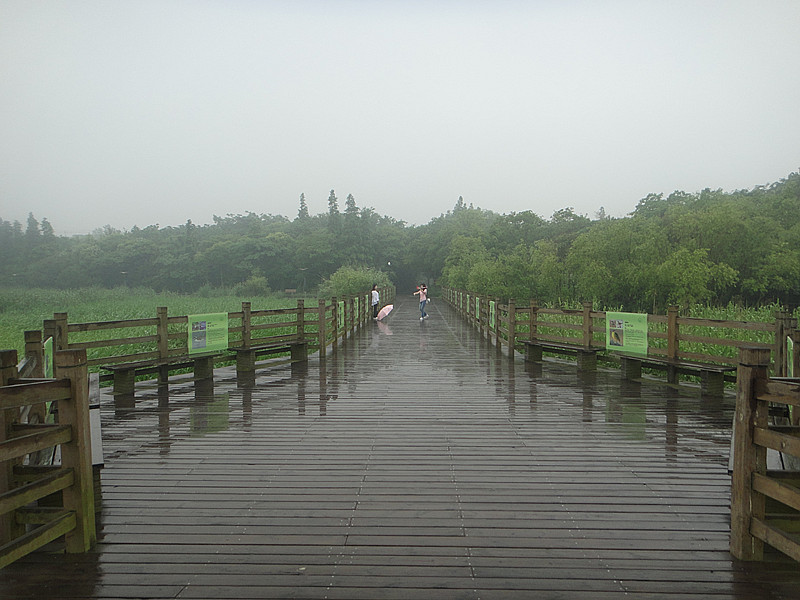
column 385, row 311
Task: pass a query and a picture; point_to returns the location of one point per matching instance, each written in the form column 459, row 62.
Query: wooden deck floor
column 414, row 463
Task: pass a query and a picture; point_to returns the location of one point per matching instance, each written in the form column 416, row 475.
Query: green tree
column 302, row 212
column 688, row 276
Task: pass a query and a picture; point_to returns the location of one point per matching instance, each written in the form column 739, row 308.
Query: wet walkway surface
column 415, row 462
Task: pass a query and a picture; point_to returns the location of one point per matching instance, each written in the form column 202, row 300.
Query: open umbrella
column 385, row 311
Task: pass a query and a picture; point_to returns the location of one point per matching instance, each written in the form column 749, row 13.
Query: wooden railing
column 765, row 505
column 23, row 390
column 165, row 336
column 23, row 526
column 669, row 335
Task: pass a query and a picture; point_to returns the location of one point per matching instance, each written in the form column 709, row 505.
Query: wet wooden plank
column 421, row 464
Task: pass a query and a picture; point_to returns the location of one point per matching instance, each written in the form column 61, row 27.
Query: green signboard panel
column 626, row 332
column 208, row 333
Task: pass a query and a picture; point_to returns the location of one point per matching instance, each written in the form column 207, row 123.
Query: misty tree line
column 712, row 247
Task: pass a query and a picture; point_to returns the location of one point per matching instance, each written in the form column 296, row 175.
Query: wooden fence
column 24, row 392
column 765, row 505
column 164, row 337
column 670, row 336
column 24, row 528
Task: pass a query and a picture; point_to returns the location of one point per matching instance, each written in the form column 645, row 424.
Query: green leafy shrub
column 255, row 286
column 352, row 281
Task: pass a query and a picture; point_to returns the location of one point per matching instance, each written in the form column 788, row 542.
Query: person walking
column 376, row 299
column 422, row 292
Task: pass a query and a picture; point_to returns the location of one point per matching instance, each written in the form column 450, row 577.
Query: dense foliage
column 713, row 247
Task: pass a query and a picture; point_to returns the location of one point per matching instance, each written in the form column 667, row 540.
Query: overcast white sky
column 154, row 112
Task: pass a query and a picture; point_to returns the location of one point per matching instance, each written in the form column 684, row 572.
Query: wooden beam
column 780, row 491
column 47, row 437
column 787, row 543
column 25, row 494
column 37, row 538
column 16, row 396
column 775, row 440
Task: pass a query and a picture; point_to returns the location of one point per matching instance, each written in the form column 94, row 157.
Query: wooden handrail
column 752, row 484
column 334, row 320
column 579, row 327
column 74, row 479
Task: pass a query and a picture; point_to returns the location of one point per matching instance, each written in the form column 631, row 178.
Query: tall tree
column 334, row 216
column 32, row 231
column 302, row 213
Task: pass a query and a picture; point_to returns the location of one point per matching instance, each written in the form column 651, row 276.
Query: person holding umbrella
column 422, row 292
column 376, row 299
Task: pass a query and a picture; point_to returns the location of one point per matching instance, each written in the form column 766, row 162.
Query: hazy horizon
column 137, row 113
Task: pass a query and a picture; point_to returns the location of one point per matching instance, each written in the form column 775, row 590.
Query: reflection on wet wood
column 414, row 461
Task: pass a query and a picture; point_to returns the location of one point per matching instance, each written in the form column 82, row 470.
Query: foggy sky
column 156, row 112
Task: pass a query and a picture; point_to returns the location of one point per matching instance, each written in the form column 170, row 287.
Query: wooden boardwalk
column 414, row 463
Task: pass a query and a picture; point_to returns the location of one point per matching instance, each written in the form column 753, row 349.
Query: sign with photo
column 208, row 333
column 626, row 332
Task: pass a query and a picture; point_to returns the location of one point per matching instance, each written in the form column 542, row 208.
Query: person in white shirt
column 376, row 299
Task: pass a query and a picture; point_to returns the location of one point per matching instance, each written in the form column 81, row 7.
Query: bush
column 255, row 286
column 352, row 281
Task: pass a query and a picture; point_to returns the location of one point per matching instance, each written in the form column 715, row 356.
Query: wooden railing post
column 587, row 325
column 61, row 337
column 35, row 351
column 534, row 308
column 61, row 341
column 497, row 334
column 672, row 332
column 301, row 319
column 162, row 332
column 351, row 308
column 512, row 326
column 747, row 457
column 336, row 325
column 321, row 328
column 8, row 371
column 247, row 325
column 481, row 310
column 77, row 453
column 784, row 324
column 50, row 330
column 345, row 317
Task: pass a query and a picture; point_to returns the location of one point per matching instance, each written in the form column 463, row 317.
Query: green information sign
column 48, row 357
column 208, row 333
column 626, row 332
